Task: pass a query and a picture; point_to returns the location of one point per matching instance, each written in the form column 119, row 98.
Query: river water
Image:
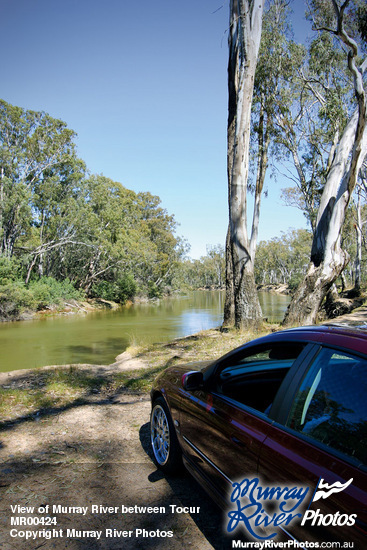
column 99, row 337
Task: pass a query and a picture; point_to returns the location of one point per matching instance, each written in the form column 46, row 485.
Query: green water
column 99, row 337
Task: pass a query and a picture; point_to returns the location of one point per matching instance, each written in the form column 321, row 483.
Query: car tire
column 166, row 448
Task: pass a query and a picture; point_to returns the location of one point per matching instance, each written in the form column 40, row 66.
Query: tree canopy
column 58, row 221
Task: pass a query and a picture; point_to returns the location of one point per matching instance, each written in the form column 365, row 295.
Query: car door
column 322, row 437
column 224, row 425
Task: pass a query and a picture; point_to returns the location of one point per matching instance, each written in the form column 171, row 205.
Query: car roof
column 357, row 331
column 340, row 335
column 347, row 337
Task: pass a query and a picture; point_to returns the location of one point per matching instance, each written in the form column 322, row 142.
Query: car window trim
column 290, row 378
column 250, row 349
column 284, row 397
column 321, row 446
column 242, row 406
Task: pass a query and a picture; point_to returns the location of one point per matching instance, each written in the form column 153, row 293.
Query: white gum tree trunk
column 242, row 307
column 327, row 257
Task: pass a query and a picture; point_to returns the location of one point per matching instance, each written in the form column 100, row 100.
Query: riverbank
column 29, row 392
column 38, row 391
column 92, row 447
column 275, row 288
column 69, row 307
column 21, row 307
column 77, row 435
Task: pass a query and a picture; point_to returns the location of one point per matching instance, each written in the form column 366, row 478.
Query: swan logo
column 324, row 490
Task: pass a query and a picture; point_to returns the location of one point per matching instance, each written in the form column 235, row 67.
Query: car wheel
column 166, row 449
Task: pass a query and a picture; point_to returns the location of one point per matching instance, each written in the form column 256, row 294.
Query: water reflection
column 99, row 337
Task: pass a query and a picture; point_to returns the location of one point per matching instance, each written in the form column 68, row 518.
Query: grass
column 46, row 390
column 204, row 346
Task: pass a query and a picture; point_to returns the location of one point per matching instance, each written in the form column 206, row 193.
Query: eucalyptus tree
column 360, row 224
column 278, row 60
column 215, row 263
column 242, row 306
column 124, row 240
column 163, row 249
column 328, row 259
column 55, row 202
column 283, row 260
column 34, row 149
column 312, row 120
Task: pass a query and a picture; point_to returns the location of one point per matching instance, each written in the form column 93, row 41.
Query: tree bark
column 327, row 257
column 229, row 309
column 358, row 258
column 242, row 304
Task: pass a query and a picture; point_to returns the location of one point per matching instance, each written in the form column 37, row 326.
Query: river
column 99, row 337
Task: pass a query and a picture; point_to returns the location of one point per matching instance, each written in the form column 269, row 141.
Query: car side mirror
column 193, row 380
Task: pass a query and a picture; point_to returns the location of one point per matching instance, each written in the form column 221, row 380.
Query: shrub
column 126, row 288
column 47, row 292
column 14, row 299
column 9, row 270
column 154, row 291
column 120, row 291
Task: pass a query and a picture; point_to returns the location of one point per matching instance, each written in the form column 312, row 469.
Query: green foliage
column 69, row 231
column 153, row 290
column 208, row 272
column 14, row 299
column 120, row 291
column 283, row 260
column 9, row 270
column 34, row 151
column 309, row 98
column 48, row 292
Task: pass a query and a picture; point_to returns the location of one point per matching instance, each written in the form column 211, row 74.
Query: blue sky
column 144, row 85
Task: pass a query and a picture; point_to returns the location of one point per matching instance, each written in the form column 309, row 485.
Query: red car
column 276, row 432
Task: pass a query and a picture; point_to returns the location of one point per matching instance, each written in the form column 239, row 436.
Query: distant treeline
column 66, row 234
column 280, row 260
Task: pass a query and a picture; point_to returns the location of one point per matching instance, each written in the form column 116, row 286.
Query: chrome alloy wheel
column 159, row 435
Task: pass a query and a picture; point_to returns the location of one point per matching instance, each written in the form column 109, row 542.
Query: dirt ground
column 97, row 453
column 91, row 454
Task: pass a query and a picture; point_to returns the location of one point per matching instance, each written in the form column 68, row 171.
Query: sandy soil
column 98, row 453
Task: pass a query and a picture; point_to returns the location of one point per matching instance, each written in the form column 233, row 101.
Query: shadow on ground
column 95, row 454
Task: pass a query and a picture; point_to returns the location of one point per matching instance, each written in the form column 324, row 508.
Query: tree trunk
column 327, row 258
column 358, row 258
column 229, row 309
column 306, row 301
column 242, row 304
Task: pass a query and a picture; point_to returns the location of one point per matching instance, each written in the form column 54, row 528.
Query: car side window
column 253, row 377
column 331, row 404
